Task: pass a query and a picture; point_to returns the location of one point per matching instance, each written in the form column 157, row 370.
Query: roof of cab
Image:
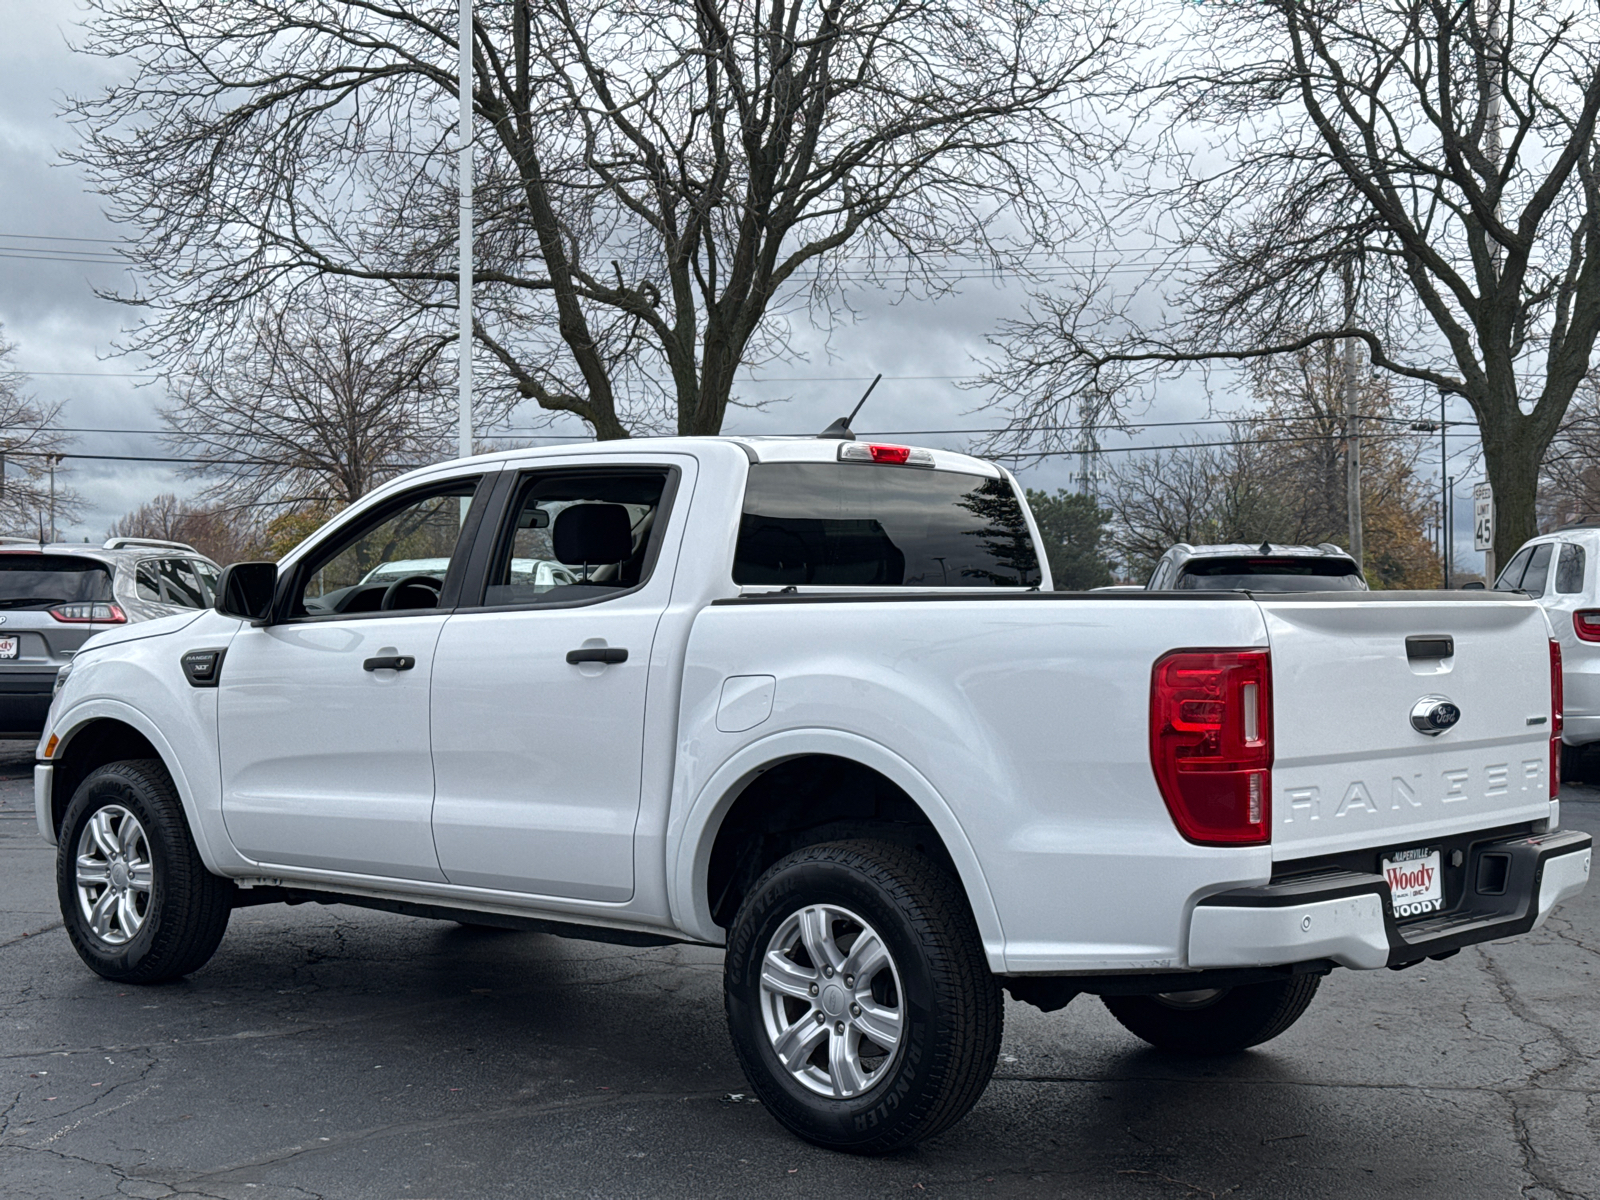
column 755, row 448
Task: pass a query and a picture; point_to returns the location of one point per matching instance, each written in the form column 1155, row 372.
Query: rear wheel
column 859, row 1000
column 138, row 903
column 1216, row 1020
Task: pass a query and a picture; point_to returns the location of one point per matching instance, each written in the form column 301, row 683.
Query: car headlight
column 61, row 679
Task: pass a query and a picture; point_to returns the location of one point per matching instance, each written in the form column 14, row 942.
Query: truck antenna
column 840, row 429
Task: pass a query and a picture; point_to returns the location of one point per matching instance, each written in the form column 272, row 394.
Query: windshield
column 1271, row 575
column 42, row 580
column 851, row 524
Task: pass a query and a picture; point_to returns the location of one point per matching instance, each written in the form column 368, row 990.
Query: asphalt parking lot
column 337, row 1052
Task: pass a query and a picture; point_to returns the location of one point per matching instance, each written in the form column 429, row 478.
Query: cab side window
column 1534, row 578
column 395, row 560
column 179, row 584
column 147, row 583
column 209, row 576
column 577, row 535
column 1569, row 571
column 1511, row 578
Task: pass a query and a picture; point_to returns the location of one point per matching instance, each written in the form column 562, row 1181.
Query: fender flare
column 689, row 844
column 75, row 719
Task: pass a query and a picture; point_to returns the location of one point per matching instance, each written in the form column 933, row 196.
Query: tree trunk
column 1514, row 476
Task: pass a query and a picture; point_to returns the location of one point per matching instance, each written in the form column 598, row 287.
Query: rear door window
column 179, row 584
column 1511, row 578
column 1533, row 579
column 45, row 580
column 1569, row 571
column 872, row 525
column 582, row 535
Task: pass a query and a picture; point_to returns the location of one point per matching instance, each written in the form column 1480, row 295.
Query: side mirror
column 1474, row 585
column 246, row 589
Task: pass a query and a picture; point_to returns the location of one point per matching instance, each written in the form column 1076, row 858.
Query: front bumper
column 25, row 701
column 1347, row 917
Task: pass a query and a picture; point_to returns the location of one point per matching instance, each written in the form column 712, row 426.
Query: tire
column 127, row 815
column 1217, row 1021
column 930, row 989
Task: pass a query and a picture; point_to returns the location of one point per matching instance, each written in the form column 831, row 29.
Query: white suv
column 1557, row 570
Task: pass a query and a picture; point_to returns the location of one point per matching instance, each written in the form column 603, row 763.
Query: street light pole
column 464, row 184
column 1445, row 484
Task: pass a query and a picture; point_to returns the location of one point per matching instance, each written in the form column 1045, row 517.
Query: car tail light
column 1586, row 624
column 876, row 452
column 1557, row 704
column 100, row 614
column 1211, row 743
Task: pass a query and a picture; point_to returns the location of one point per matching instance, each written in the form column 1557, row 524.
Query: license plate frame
column 1416, row 880
column 10, row 647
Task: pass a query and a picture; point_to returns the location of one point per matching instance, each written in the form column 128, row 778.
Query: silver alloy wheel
column 115, row 875
column 1200, row 998
column 831, row 1001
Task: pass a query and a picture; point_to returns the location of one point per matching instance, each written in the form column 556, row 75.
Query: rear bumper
column 1347, row 917
column 25, row 701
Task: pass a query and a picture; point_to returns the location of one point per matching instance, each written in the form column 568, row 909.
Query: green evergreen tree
column 1073, row 528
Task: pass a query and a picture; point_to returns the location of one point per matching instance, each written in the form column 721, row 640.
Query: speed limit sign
column 1482, row 517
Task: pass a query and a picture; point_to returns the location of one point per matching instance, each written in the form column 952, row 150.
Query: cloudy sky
column 54, row 243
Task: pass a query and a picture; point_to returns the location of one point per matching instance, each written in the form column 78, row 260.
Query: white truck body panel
column 496, row 777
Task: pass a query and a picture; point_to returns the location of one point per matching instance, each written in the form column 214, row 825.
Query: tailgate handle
column 1430, row 645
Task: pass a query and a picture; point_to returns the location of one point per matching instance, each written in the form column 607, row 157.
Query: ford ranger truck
column 814, row 701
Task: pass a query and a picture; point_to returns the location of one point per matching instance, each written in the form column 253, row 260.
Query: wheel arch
column 715, row 813
column 106, row 731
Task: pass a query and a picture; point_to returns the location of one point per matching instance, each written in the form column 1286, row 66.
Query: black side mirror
column 246, row 589
column 1474, row 585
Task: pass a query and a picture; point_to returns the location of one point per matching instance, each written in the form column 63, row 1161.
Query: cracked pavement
column 336, row 1052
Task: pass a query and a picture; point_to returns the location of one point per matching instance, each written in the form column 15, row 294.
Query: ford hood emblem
column 1432, row 715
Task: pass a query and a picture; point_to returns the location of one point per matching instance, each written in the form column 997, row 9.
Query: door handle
column 391, row 662
column 597, row 654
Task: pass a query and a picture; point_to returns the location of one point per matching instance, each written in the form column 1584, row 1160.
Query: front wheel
column 136, row 899
column 1216, row 1020
column 859, row 1000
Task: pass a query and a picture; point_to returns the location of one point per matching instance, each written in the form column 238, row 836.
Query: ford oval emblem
column 1432, row 715
column 2, row 618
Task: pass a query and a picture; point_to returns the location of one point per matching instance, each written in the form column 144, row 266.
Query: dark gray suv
column 54, row 597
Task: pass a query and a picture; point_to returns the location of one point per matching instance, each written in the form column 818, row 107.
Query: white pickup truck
column 815, row 701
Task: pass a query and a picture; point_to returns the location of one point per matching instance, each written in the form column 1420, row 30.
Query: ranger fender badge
column 1432, row 715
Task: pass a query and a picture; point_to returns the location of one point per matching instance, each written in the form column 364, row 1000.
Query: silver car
column 54, row 597
column 1269, row 567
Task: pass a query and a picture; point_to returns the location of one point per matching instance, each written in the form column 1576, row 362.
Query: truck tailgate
column 1350, row 771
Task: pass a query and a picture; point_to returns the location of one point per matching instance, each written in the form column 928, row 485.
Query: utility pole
column 52, row 460
column 464, row 185
column 1352, row 458
column 1495, row 65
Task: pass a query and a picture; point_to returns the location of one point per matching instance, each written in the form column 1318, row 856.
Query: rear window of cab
column 872, row 525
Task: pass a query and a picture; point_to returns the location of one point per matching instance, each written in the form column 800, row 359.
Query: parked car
column 54, row 597
column 814, row 701
column 1558, row 570
column 1264, row 568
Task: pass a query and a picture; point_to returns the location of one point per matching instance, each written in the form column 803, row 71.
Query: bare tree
column 313, row 400
column 1281, row 478
column 221, row 533
column 28, row 449
column 1442, row 152
column 1569, row 487
column 659, row 181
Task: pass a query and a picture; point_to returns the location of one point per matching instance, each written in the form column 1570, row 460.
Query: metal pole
column 464, row 183
column 1444, row 499
column 52, row 461
column 1352, row 463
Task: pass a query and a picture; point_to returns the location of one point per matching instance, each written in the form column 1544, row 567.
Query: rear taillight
column 1211, row 743
column 1586, row 624
column 100, row 614
column 1557, row 702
